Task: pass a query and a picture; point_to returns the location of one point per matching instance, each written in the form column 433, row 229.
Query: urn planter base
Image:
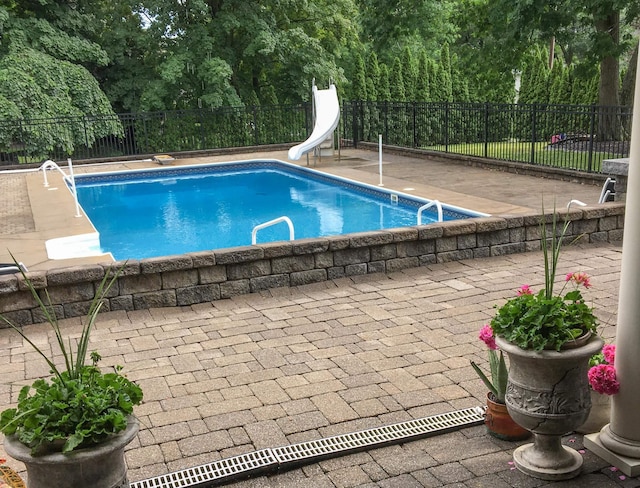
column 546, row 458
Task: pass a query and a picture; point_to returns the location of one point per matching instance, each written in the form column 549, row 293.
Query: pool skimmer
column 286, row 457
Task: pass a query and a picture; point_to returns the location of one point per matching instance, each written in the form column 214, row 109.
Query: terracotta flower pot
column 500, row 424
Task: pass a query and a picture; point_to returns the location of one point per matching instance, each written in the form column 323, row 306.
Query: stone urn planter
column 599, row 415
column 548, row 393
column 100, row 466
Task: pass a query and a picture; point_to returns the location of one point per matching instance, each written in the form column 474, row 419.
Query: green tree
column 385, row 84
column 522, row 22
column 396, row 82
column 423, row 91
column 373, row 76
column 445, row 74
column 217, row 50
column 409, row 74
column 43, row 73
column 359, row 83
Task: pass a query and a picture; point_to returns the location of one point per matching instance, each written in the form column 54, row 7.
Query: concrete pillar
column 619, row 441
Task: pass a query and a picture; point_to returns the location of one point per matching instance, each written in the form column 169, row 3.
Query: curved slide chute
column 327, row 110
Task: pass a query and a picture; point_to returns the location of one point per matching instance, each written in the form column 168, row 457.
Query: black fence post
column 415, row 130
column 203, row 141
column 532, row 159
column 592, row 135
column 446, row 126
column 256, row 129
column 354, row 123
column 486, row 129
column 24, row 144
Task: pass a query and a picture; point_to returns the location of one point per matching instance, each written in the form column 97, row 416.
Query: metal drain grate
column 213, row 473
column 285, row 457
column 342, row 444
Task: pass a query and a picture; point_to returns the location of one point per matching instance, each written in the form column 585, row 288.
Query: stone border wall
column 207, row 276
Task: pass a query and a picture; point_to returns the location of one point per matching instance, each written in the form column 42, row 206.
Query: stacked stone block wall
column 207, row 276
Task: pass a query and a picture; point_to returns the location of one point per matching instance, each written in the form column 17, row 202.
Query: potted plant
column 71, row 430
column 603, row 383
column 549, row 339
column 497, row 419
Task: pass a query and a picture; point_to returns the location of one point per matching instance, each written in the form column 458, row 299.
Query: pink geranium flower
column 486, row 336
column 609, row 353
column 602, row 379
column 524, row 290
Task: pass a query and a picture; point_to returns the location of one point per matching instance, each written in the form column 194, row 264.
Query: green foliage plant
column 545, row 320
column 497, row 385
column 79, row 406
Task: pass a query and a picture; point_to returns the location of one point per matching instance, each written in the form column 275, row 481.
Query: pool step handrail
column 432, row 203
column 255, row 230
column 48, row 164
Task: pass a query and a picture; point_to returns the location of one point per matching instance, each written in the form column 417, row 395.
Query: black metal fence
column 576, row 137
column 567, row 136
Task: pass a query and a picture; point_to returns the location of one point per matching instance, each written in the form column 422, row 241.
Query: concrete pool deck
column 288, row 365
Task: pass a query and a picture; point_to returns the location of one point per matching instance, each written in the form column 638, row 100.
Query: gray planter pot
column 548, row 394
column 102, row 466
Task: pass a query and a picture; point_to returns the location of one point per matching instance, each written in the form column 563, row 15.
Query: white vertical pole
column 380, row 158
column 621, row 437
column 73, row 187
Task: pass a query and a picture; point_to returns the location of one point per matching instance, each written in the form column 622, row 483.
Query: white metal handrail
column 432, row 203
column 48, row 164
column 255, row 230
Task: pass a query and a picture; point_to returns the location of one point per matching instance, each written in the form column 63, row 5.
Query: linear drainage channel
column 280, row 458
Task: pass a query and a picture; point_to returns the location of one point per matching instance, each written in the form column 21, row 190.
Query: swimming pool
column 167, row 211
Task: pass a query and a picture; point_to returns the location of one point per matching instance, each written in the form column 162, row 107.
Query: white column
column 619, row 441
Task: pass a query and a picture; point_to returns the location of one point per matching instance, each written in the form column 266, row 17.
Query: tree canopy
column 62, row 57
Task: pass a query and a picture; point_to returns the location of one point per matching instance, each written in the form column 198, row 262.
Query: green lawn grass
column 543, row 154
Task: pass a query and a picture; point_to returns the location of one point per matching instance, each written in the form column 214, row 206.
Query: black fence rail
column 576, row 137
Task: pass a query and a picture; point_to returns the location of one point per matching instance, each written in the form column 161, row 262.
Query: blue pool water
column 168, row 211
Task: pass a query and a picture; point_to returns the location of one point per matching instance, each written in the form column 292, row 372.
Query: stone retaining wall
column 206, row 276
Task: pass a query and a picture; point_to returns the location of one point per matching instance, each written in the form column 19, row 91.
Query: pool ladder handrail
column 432, row 203
column 48, row 164
column 255, row 230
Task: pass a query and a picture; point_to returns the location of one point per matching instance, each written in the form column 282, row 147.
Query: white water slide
column 327, row 112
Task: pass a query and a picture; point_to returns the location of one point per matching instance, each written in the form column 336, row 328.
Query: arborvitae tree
column 269, row 96
column 584, row 91
column 398, row 93
column 459, row 86
column 559, row 89
column 541, row 86
column 445, row 68
column 252, row 99
column 422, row 84
column 434, row 81
column 384, row 93
column 409, row 74
column 373, row 76
column 438, row 88
column 359, row 84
